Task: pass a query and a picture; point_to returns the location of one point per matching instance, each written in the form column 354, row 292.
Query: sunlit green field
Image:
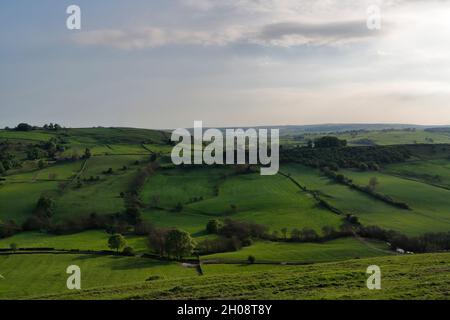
column 403, row 277
column 371, row 211
column 27, row 276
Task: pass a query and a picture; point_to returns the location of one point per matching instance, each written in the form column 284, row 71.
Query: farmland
column 95, row 177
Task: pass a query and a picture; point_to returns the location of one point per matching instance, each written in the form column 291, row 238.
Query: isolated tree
column 87, row 153
column 13, row 247
column 45, row 207
column 116, row 242
column 373, row 182
column 129, row 251
column 213, row 226
column 23, row 127
column 41, row 164
column 179, row 244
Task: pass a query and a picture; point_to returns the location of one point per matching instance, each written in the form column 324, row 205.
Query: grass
column 26, row 276
column 171, row 187
column 341, row 249
column 18, row 200
column 369, row 210
column 35, row 136
column 54, row 172
column 390, row 137
column 273, row 201
column 88, row 240
column 101, row 197
column 96, row 166
column 403, row 277
column 435, row 172
column 425, row 200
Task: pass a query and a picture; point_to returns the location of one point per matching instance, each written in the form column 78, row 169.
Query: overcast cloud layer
column 164, row 64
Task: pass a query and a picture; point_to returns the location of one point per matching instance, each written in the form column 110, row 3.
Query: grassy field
column 371, row 211
column 26, row 276
column 18, row 200
column 270, row 200
column 435, row 172
column 340, row 249
column 89, row 240
column 425, row 200
column 403, row 277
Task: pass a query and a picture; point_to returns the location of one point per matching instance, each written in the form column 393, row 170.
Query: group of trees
column 327, row 142
column 335, row 157
column 7, row 161
column 429, row 242
column 171, row 243
column 27, row 127
column 232, row 235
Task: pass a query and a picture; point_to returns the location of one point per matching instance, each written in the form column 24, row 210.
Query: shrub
column 128, row 251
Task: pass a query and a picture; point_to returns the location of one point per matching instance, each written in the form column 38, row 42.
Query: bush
column 128, row 251
column 251, row 259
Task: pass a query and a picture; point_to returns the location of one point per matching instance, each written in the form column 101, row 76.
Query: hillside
column 416, row 277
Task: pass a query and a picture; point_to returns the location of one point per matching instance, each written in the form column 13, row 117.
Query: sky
column 166, row 63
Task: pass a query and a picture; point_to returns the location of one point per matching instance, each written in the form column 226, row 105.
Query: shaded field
column 341, row 249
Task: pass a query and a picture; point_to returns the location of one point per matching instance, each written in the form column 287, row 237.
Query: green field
column 371, row 211
column 403, row 277
column 340, row 249
column 89, row 240
column 27, row 276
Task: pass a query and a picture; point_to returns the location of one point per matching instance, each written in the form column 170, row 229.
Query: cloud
column 277, row 34
column 295, row 33
column 149, row 37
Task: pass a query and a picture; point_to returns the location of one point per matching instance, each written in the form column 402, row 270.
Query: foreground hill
column 403, row 277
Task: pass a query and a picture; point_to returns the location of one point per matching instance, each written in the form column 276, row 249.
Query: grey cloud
column 347, row 30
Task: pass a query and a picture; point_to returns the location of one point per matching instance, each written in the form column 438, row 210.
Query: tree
column 284, row 233
column 23, row 127
column 2, row 169
column 329, row 142
column 45, row 207
column 13, row 247
column 41, row 164
column 117, row 242
column 295, row 234
column 87, row 153
column 157, row 240
column 179, row 243
column 251, row 259
column 129, row 251
column 373, row 182
column 213, row 226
